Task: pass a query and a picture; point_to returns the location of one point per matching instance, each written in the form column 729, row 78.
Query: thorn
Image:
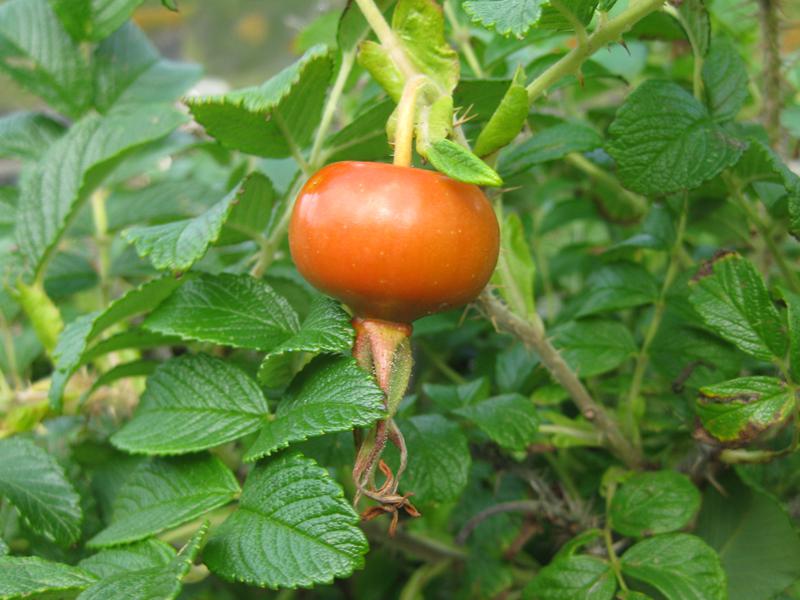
column 624, row 45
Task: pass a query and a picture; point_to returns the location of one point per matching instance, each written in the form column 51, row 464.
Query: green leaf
column 654, row 502
column 551, row 143
column 36, row 484
column 657, row 231
column 450, row 397
column 593, row 347
column 160, row 494
column 73, row 341
column 142, row 555
column 553, row 18
column 573, row 577
column 419, row 24
column 515, row 271
column 353, row 27
column 729, row 294
column 725, row 80
column 664, row 140
column 191, row 403
column 251, row 211
column 331, row 394
column 739, row 409
column 438, row 458
column 93, row 20
column 27, row 135
column 256, row 120
column 378, row 62
column 506, row 17
column 326, row 329
column 53, row 191
column 161, row 582
column 507, row 120
column 616, row 286
column 293, row 528
column 461, row 164
column 793, row 306
column 37, row 52
column 178, row 245
column 694, row 19
column 231, row 310
column 756, row 540
column 128, row 70
column 510, row 420
column 680, row 566
column 30, row 576
column 364, row 138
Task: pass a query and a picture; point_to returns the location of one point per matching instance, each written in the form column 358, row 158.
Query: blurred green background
column 242, row 42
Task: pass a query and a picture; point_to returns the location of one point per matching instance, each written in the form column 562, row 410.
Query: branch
column 610, row 33
column 532, row 333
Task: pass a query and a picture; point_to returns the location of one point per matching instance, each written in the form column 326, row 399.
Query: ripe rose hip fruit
column 393, row 243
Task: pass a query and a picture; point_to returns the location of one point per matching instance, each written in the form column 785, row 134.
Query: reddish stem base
column 383, row 349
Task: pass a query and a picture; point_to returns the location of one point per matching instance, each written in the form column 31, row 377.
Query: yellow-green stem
column 406, row 113
column 643, row 358
column 348, row 59
column 462, row 38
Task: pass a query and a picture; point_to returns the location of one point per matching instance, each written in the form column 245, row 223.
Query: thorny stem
column 610, row 33
column 532, row 333
column 406, row 113
column 348, row 59
column 461, row 36
column 643, row 358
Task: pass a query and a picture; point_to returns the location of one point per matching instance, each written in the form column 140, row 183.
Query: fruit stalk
column 383, row 349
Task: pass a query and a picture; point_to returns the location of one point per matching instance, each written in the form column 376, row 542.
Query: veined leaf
column 27, row 135
column 755, row 537
column 251, row 212
column 594, row 346
column 154, row 583
column 515, row 271
column 163, row 493
column 326, row 329
column 680, row 566
column 75, row 338
column 132, row 557
column 461, row 164
column 179, row 244
column 33, row 577
column 730, row 295
column 509, row 420
column 35, row 483
column 288, row 503
column 664, row 140
column 257, row 120
column 506, row 17
column 616, row 286
column 191, row 403
column 233, row 310
column 551, row 143
column 53, row 190
column 573, row 577
column 438, row 458
column 653, row 502
column 128, row 70
column 725, row 80
column 38, row 53
column 331, row 394
column 93, row 19
column 738, row 410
